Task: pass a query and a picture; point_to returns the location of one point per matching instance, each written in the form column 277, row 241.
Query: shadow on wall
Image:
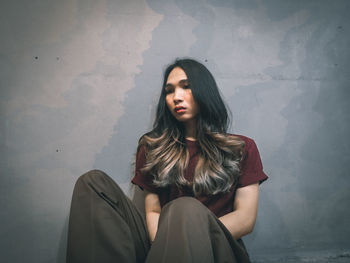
column 62, row 246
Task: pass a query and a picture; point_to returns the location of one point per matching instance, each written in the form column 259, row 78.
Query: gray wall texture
column 79, row 85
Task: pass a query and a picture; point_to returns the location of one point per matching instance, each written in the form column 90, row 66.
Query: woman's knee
column 182, row 213
column 186, row 205
column 92, row 175
column 98, row 181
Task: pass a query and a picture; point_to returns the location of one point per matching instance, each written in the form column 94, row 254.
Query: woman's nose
column 178, row 95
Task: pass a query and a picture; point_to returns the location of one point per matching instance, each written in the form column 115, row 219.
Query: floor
column 334, row 256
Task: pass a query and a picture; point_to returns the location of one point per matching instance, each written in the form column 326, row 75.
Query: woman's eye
column 186, row 86
column 167, row 91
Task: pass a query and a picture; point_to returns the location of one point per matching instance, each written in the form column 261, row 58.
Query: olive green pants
column 105, row 226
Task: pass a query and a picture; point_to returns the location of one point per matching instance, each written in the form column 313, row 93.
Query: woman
column 201, row 185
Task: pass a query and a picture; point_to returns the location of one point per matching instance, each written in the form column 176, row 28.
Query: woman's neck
column 191, row 130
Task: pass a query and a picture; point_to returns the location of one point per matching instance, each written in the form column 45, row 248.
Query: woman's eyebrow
column 183, row 81
column 169, row 85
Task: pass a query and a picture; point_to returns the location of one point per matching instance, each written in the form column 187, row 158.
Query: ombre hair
column 166, row 153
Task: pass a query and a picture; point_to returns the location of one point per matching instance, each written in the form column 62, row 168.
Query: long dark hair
column 213, row 115
column 219, row 154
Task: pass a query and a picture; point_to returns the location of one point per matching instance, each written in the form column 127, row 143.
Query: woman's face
column 179, row 97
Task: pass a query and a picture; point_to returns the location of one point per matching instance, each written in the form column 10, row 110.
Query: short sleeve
column 142, row 179
column 251, row 166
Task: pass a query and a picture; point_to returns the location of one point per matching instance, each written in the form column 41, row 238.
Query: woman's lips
column 180, row 110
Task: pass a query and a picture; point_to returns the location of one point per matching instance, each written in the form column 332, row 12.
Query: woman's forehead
column 176, row 75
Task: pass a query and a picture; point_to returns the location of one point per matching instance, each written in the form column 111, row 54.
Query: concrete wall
column 79, row 81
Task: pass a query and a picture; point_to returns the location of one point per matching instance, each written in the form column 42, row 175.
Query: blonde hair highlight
column 218, row 166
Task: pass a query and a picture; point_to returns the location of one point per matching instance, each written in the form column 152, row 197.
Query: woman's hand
column 241, row 221
column 152, row 210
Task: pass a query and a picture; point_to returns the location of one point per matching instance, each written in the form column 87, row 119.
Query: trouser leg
column 104, row 225
column 189, row 232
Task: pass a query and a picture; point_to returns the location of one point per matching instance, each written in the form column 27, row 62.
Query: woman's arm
column 241, row 221
column 152, row 210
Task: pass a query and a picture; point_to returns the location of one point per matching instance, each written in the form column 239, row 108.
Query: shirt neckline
column 191, row 143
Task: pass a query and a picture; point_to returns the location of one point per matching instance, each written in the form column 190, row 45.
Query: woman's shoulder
column 144, row 138
column 147, row 141
column 250, row 147
column 147, row 134
column 246, row 139
column 251, row 155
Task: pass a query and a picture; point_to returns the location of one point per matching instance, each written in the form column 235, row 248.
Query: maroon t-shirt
column 220, row 204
